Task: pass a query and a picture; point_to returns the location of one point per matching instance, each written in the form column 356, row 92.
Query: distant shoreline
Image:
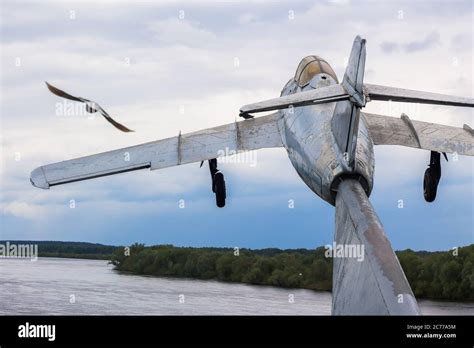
column 78, row 256
column 440, row 276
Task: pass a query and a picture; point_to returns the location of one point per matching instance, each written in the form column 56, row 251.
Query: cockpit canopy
column 311, row 66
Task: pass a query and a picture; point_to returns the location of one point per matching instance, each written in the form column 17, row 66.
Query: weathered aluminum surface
column 345, row 122
column 376, row 285
column 412, row 128
column 376, row 92
column 312, row 147
column 354, row 74
column 386, row 130
column 468, row 128
column 328, row 94
column 187, row 148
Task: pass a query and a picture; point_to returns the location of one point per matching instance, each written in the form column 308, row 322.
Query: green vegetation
column 299, row 268
column 440, row 275
column 433, row 275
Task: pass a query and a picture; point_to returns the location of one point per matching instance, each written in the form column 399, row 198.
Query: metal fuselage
column 308, row 136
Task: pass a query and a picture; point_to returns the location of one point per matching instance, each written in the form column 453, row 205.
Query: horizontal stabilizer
column 345, row 91
column 376, row 92
column 328, row 94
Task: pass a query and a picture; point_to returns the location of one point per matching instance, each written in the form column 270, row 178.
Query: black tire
column 430, row 185
column 219, row 189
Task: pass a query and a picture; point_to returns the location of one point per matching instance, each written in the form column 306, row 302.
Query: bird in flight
column 91, row 107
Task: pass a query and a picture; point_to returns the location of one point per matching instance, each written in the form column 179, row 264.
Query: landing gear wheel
column 430, row 185
column 219, row 189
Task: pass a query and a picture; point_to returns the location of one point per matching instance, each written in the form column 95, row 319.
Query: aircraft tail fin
column 345, row 123
column 354, row 76
column 369, row 281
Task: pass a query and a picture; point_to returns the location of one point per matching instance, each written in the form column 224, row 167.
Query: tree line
column 434, row 275
column 440, row 275
column 82, row 250
column 292, row 269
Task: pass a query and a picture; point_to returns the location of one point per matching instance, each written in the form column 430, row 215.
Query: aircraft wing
column 261, row 132
column 386, row 130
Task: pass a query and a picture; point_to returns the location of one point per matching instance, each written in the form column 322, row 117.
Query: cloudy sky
column 162, row 68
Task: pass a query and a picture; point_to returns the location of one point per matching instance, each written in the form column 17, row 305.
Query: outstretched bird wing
column 90, row 106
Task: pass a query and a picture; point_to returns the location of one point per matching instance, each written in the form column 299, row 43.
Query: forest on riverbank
column 435, row 275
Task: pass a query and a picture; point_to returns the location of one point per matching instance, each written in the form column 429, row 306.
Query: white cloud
column 247, row 18
column 25, row 210
column 175, row 31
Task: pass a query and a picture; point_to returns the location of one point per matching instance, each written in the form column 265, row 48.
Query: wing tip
column 49, row 86
column 38, row 179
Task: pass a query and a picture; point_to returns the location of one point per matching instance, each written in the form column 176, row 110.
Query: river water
column 84, row 287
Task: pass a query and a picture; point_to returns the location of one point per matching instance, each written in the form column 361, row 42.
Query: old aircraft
column 329, row 141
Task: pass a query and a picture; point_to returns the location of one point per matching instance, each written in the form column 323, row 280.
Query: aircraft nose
column 38, row 178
